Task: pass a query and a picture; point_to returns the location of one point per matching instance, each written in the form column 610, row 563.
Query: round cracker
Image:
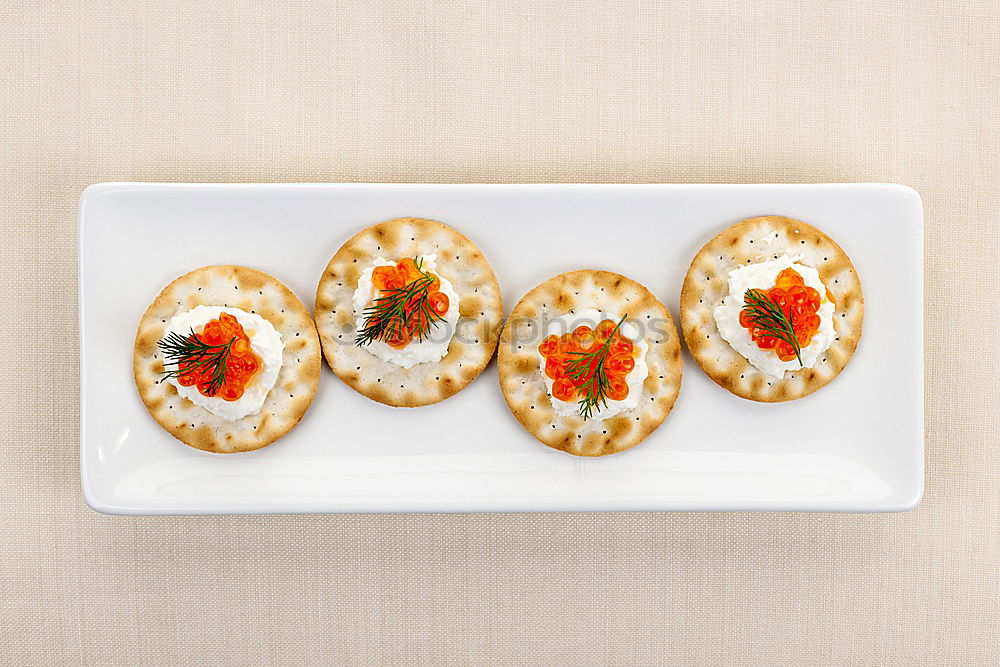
column 521, row 374
column 480, row 313
column 254, row 292
column 707, row 284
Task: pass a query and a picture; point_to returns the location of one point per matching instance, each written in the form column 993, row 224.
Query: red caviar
column 398, row 277
column 800, row 304
column 241, row 363
column 556, row 350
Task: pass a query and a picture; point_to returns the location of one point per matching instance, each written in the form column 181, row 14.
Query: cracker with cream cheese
column 251, row 291
column 475, row 337
column 521, row 372
column 707, row 284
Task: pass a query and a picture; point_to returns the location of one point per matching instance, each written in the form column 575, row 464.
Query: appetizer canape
column 408, row 312
column 590, row 362
column 226, row 359
column 771, row 309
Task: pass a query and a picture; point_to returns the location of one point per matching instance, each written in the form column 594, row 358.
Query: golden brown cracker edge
column 521, row 378
column 254, row 292
column 707, row 283
column 480, row 309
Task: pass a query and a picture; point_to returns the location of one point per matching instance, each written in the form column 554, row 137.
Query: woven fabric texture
column 487, row 91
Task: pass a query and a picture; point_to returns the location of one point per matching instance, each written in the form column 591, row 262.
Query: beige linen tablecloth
column 478, row 91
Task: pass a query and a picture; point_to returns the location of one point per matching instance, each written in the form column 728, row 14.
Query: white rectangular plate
column 856, row 445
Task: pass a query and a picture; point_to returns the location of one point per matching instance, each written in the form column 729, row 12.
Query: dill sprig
column 188, row 354
column 765, row 314
column 594, row 393
column 395, row 309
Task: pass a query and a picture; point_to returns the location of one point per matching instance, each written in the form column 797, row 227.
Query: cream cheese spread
column 762, row 276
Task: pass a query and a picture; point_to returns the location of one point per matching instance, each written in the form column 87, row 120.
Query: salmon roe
column 558, row 353
column 394, row 278
column 241, row 364
column 800, row 304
